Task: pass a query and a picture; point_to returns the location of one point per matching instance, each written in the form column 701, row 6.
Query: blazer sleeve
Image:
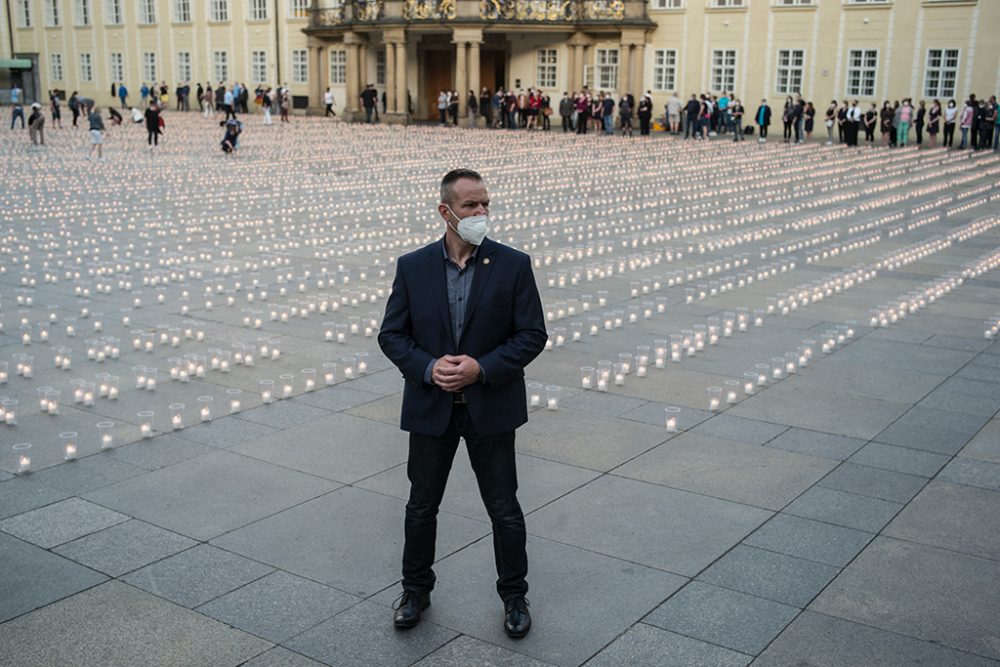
column 528, row 335
column 395, row 337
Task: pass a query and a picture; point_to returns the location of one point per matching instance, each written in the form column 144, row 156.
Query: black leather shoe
column 407, row 613
column 517, row 618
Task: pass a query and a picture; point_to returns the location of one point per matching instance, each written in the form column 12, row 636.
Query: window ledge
column 795, row 8
column 667, row 10
column 722, row 10
column 867, row 5
column 949, row 3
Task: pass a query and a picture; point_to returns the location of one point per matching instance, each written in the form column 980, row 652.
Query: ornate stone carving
column 423, row 10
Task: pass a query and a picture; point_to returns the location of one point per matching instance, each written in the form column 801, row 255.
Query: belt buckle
column 459, row 398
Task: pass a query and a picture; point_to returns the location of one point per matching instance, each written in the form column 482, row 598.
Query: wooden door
column 438, row 76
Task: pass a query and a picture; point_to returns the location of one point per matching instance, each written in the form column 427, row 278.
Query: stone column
column 638, row 70
column 474, row 82
column 390, row 77
column 315, row 71
column 578, row 64
column 624, row 58
column 460, row 77
column 362, row 66
column 401, row 73
column 353, row 90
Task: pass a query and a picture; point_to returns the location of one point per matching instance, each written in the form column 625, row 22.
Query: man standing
column 36, row 125
column 853, row 124
column 566, row 112
column 327, row 102
column 123, row 95
column 17, row 111
column 369, row 98
column 463, row 320
column 673, row 112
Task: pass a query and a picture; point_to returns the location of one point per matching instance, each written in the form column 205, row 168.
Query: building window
column 942, row 73
column 867, row 2
column 257, row 10
column 113, row 12
column 861, row 67
column 728, row 3
column 181, row 11
column 220, row 65
column 81, row 11
column 258, row 66
column 149, row 67
column 668, row 4
column 338, row 66
column 86, row 67
column 380, row 67
column 607, row 69
column 52, row 18
column 298, row 9
column 547, row 74
column 724, row 70
column 23, row 13
column 791, row 3
column 664, row 69
column 790, row 68
column 219, row 11
column 183, row 71
column 55, row 66
column 300, row 66
column 147, row 12
column 116, row 66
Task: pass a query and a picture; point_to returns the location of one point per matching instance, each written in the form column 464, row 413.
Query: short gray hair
column 452, row 177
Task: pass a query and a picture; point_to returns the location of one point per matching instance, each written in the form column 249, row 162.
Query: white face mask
column 472, row 229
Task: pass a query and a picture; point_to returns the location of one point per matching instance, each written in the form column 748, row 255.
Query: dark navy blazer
column 504, row 330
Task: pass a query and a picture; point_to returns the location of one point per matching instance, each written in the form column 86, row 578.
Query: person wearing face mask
column 950, row 114
column 463, row 320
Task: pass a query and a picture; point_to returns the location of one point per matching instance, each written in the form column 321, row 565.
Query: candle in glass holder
column 552, row 397
column 205, row 408
column 732, row 391
column 534, row 394
column 176, row 415
column 69, row 444
column 330, row 373
column 105, row 434
column 309, row 378
column 235, row 400
column 714, row 398
column 586, row 376
column 287, row 386
column 4, row 372
column 361, row 363
column 778, row 368
column 619, row 374
column 266, row 391
column 763, row 372
column 150, row 379
column 22, row 451
column 749, row 383
column 146, row 423
column 673, row 414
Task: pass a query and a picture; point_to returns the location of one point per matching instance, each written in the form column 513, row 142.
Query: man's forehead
column 466, row 188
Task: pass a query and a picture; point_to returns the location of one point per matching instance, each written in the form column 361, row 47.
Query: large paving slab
column 212, row 494
column 61, row 522
column 646, row 523
column 124, row 547
column 116, row 625
column 644, row 644
column 920, row 591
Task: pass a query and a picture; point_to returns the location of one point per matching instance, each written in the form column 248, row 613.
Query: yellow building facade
column 826, row 49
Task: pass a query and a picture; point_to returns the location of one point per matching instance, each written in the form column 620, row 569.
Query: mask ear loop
column 448, row 222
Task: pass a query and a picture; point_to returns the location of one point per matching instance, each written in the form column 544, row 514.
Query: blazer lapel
column 435, row 274
column 484, row 268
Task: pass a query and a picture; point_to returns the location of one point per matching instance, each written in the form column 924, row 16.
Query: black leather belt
column 459, row 398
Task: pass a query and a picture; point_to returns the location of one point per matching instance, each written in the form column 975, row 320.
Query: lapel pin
column 486, row 260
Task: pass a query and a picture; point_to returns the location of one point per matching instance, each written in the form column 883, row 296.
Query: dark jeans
column 949, row 134
column 18, row 112
column 567, row 123
column 492, row 459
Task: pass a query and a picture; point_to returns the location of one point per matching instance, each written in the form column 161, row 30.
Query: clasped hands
column 455, row 372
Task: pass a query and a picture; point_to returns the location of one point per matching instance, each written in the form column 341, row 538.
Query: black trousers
column 567, row 123
column 763, row 131
column 492, row 459
column 920, row 133
column 949, row 134
column 643, row 125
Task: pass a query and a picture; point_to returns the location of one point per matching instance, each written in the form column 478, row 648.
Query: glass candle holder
column 139, row 373
column 146, row 423
column 308, row 379
column 105, row 434
column 63, row 358
column 150, row 378
column 576, row 331
column 749, row 383
column 619, row 374
column 43, row 399
column 89, row 393
column 68, row 442
column 791, row 365
column 266, row 391
column 361, row 363
column 329, row 373
column 661, row 348
column 714, row 399
column 672, row 416
column 763, row 373
column 587, row 377
column 4, row 372
column 286, row 382
column 205, row 408
column 275, row 344
column 777, row 368
column 559, row 336
column 27, row 363
column 552, row 397
column 176, row 416
column 22, row 454
column 534, row 394
column 235, row 398
column 347, row 368
column 52, row 398
column 676, row 347
column 732, row 391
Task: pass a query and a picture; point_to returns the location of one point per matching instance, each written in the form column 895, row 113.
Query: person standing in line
column 229, row 103
column 933, row 123
column 645, row 113
column 144, row 91
column 327, row 102
column 453, row 107
column 268, row 105
column 472, row 109
column 985, row 119
column 798, row 118
column 582, row 114
column 464, row 380
column 965, row 123
column 486, row 107
column 566, row 109
column 809, row 114
column 544, row 110
column 691, row 113
column 36, row 125
column 763, row 119
column 736, row 111
column 974, row 128
column 919, row 121
column 894, row 128
column 442, row 105
column 853, row 123
column 96, row 133
column 74, row 106
column 56, row 111
column 950, row 115
column 829, row 121
column 787, row 118
column 199, row 94
column 285, row 104
column 17, row 111
column 996, row 122
column 905, row 118
column 123, row 95
column 153, row 125
column 625, row 115
column 673, row 113
column 870, row 120
column 885, row 118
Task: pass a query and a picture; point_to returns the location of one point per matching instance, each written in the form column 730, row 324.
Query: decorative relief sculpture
column 423, row 10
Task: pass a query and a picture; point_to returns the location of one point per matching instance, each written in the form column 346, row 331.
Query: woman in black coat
column 645, row 115
column 763, row 119
column 153, row 124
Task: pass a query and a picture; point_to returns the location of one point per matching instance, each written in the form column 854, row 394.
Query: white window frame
column 147, row 12
column 86, row 67
column 338, row 67
column 299, row 9
column 380, row 60
column 258, row 66
column 56, row 67
column 116, row 66
column 667, row 4
column 300, row 66
column 864, row 71
column 794, row 3
column 149, row 67
column 547, row 68
column 183, row 66
column 180, row 11
column 218, row 11
column 220, row 66
column 114, row 13
column 938, row 88
column 729, row 4
column 790, row 75
column 82, row 14
column 23, row 13
column 665, row 69
column 257, row 10
column 867, row 2
column 50, row 8
column 724, row 63
column 606, row 68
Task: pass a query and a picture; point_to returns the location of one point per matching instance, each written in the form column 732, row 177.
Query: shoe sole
column 517, row 635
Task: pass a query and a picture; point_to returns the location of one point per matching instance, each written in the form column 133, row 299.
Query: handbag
column 547, row 111
column 829, row 122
